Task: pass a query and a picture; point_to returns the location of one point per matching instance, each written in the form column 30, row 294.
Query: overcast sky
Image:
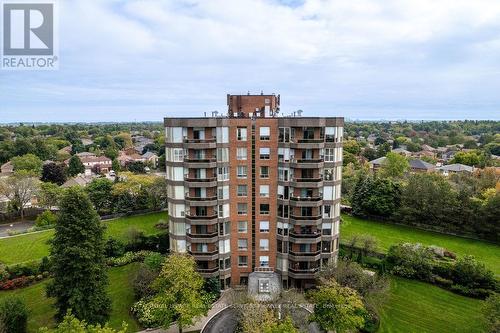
column 363, row 59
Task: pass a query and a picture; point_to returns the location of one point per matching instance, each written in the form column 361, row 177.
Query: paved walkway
column 15, row 226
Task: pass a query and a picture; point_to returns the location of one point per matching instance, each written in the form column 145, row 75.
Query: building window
column 264, row 226
column 241, row 134
column 308, row 133
column 241, row 171
column 241, row 154
column 264, row 209
column 284, row 134
column 330, row 134
column 264, row 191
column 222, row 134
column 265, row 133
column 264, row 244
column 327, row 211
column 223, row 173
column 178, row 154
column 222, row 154
column 242, row 190
column 284, row 174
column 223, row 192
column 284, row 154
column 242, row 226
column 242, row 261
column 264, row 153
column 242, row 244
column 329, row 174
column 242, row 208
column 283, row 210
column 264, row 172
column 264, row 261
column 329, row 154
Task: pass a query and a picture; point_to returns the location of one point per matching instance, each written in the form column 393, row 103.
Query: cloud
column 358, row 58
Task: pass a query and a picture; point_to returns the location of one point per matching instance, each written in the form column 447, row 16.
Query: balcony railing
column 207, row 270
column 210, row 179
column 313, row 198
column 305, row 254
column 308, row 160
column 201, row 198
column 206, row 140
column 303, row 270
column 201, row 253
column 320, row 140
column 207, row 235
column 314, row 234
column 200, row 159
column 201, row 217
column 304, row 217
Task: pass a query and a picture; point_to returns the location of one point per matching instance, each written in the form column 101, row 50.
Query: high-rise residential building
column 255, row 190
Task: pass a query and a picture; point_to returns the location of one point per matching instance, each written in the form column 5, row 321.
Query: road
column 15, row 226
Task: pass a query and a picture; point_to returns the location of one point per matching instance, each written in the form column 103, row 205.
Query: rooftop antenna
column 262, row 92
column 248, row 92
column 299, row 113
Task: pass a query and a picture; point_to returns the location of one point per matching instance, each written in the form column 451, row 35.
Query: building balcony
column 315, row 201
column 308, row 273
column 305, row 220
column 208, row 272
column 307, row 182
column 307, row 143
column 199, row 255
column 206, row 143
column 307, row 163
column 201, row 163
column 304, row 256
column 202, row 219
column 200, row 182
column 201, row 201
column 202, row 238
column 305, row 238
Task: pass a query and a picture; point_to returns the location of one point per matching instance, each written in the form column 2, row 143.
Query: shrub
column 154, row 261
column 144, row 310
column 491, row 310
column 4, row 273
column 13, row 315
column 446, row 283
column 128, row 258
column 19, row 282
column 142, row 282
column 25, row 269
column 470, row 273
column 114, row 248
column 410, row 261
column 47, row 218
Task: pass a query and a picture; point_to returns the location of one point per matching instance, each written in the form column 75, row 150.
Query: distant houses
column 6, row 168
column 455, row 168
column 416, row 165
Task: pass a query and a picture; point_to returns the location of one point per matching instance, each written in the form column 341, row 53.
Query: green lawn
column 388, row 234
column 119, row 289
column 418, row 307
column 28, row 247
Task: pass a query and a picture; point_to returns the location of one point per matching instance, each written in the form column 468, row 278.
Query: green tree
column 115, row 165
column 75, row 166
column 394, row 166
column 78, row 261
column 99, row 191
column 179, row 292
column 49, row 195
column 375, row 196
column 71, row 324
column 54, row 173
column 337, row 308
column 20, row 188
column 28, row 162
column 13, row 315
column 352, row 146
column 383, row 149
column 467, row 158
column 45, row 219
column 491, row 310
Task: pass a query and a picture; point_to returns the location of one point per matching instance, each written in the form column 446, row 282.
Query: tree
column 394, row 166
column 337, row 308
column 71, row 324
column 54, row 173
column 179, row 292
column 111, row 153
column 491, row 310
column 136, row 167
column 78, row 261
column 49, row 195
column 75, row 166
column 383, row 149
column 28, row 162
column 20, row 188
column 47, row 218
column 375, row 196
column 115, row 165
column 99, row 191
column 13, row 315
column 370, row 154
column 467, row 158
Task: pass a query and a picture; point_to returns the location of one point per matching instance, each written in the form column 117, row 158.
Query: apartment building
column 253, row 190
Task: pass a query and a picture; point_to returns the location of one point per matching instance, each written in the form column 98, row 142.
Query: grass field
column 119, row 289
column 28, row 247
column 417, row 307
column 388, row 234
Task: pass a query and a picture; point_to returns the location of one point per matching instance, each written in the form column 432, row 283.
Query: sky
column 363, row 60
